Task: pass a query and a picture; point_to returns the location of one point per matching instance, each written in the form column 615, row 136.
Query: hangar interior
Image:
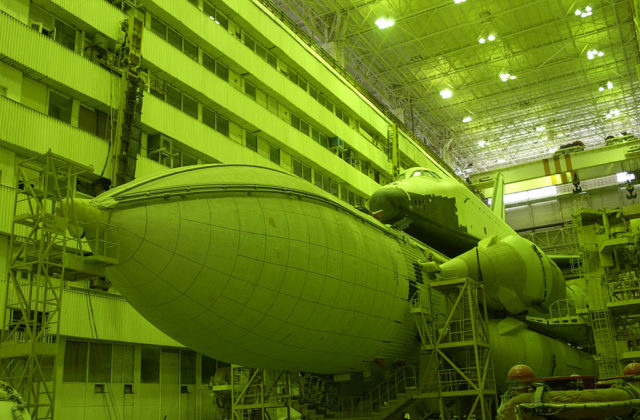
column 309, row 209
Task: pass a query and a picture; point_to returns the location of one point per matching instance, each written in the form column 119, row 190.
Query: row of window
column 172, row 153
column 114, row 363
column 171, row 95
column 295, row 77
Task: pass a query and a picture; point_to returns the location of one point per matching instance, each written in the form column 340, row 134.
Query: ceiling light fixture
column 507, row 76
column 583, row 14
column 491, row 37
column 601, row 89
column 609, row 85
column 446, row 93
column 482, row 40
column 482, row 143
column 613, row 113
column 384, row 23
column 459, row 1
column 591, row 54
column 466, row 119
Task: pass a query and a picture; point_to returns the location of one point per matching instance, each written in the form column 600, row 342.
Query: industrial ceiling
column 525, row 76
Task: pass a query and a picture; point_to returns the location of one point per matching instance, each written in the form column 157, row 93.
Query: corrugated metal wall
column 31, row 130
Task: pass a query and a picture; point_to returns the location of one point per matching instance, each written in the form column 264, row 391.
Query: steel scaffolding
column 455, row 360
column 36, row 277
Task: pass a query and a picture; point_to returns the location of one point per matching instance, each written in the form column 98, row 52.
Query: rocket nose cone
column 390, row 202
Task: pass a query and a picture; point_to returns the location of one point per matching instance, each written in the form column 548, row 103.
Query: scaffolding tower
column 455, row 358
column 39, row 243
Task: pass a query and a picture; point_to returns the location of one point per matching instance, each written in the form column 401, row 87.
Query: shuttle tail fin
column 497, row 201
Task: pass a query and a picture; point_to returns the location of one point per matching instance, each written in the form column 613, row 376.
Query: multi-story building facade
column 229, row 81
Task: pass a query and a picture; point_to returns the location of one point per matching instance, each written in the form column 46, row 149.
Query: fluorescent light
column 601, row 89
column 531, row 194
column 587, row 9
column 591, row 54
column 459, row 1
column 491, row 37
column 624, row 177
column 482, row 40
column 507, row 76
column 540, row 128
column 466, row 119
column 578, row 12
column 384, row 23
column 513, row 76
column 482, row 143
column 609, row 85
column 446, row 93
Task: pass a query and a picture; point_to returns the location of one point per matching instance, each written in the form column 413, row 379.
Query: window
column 122, row 363
column 65, row 35
column 326, row 183
column 261, row 51
column 249, row 42
column 209, row 63
column 272, row 60
column 209, row 117
column 317, row 179
column 222, row 72
column 250, row 90
column 302, row 83
column 304, row 127
column 208, row 9
column 157, row 87
column 75, row 361
column 252, row 141
column 175, row 39
column 333, row 188
column 88, row 120
column 274, row 154
column 187, row 367
column 158, row 27
column 191, row 50
column 174, row 97
column 297, row 167
column 208, row 369
column 222, row 20
column 222, row 125
column 100, row 362
column 295, row 121
column 306, row 173
column 315, row 134
column 313, row 92
column 60, row 107
column 324, row 140
column 190, row 106
column 150, row 365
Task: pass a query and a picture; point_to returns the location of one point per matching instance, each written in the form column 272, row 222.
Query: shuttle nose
column 389, row 204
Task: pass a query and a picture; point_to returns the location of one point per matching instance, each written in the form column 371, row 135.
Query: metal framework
column 29, row 340
column 554, row 99
column 455, row 360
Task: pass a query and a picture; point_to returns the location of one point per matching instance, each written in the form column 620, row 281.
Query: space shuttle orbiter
column 258, row 267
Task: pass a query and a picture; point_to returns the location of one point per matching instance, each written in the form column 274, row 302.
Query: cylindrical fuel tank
column 516, row 273
column 258, row 267
column 512, row 343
